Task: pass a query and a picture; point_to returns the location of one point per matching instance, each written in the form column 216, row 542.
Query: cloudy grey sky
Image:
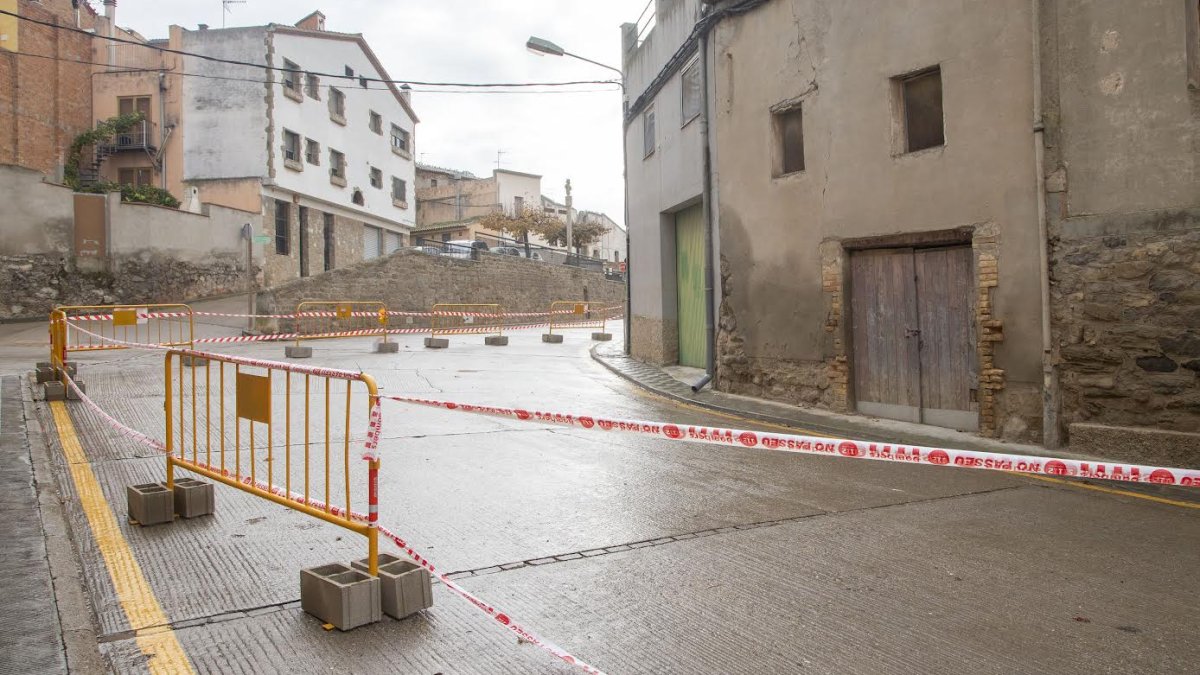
column 575, row 135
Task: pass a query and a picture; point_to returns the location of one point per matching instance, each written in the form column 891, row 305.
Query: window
column 690, row 93
column 312, row 86
column 376, row 123
column 291, row 146
column 376, row 178
column 283, row 229
column 337, row 105
column 349, row 71
column 399, row 190
column 921, row 107
column 291, row 76
column 399, row 139
column 616, row 256
column 312, row 152
column 337, row 164
column 132, row 104
column 432, row 182
column 329, row 238
column 648, row 132
column 789, row 139
column 136, row 176
column 518, row 206
column 357, row 197
column 362, row 81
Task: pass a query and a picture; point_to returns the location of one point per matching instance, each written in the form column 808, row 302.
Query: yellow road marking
column 1047, row 479
column 1114, row 491
column 146, row 617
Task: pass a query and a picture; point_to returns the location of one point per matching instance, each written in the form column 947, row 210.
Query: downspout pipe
column 1050, row 435
column 710, row 332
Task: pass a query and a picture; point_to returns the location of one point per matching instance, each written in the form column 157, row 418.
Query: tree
column 520, row 226
column 584, row 233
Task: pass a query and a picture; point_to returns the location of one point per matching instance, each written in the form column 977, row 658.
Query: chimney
column 203, row 26
column 110, row 11
column 406, row 93
column 629, row 42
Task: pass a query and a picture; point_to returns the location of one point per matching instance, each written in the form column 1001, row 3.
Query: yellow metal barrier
column 225, row 418
column 318, row 319
column 576, row 313
column 169, row 325
column 450, row 319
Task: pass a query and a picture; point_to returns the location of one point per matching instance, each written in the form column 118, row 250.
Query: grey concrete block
column 496, row 340
column 193, row 361
column 46, row 374
column 297, row 352
column 1136, row 445
column 385, row 347
column 149, row 504
column 406, row 586
column 437, row 343
column 601, row 337
column 194, row 498
column 340, row 595
column 55, row 391
column 71, row 368
column 71, row 395
column 555, row 338
column 44, row 364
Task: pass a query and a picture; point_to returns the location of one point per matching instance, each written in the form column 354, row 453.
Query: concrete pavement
column 638, row 555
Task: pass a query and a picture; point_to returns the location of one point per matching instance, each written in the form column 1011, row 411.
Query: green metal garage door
column 689, row 277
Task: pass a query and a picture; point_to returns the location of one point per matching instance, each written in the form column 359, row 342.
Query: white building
column 324, row 149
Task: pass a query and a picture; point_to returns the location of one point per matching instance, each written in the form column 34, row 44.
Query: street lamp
column 543, row 47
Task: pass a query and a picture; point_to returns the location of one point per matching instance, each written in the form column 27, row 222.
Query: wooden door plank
column 946, row 313
column 886, row 358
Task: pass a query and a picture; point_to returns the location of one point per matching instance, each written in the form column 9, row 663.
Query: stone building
column 980, row 215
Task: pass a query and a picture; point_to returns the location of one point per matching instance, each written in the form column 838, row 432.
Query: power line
column 262, row 66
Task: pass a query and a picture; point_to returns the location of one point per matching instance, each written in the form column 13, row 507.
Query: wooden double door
column 913, row 335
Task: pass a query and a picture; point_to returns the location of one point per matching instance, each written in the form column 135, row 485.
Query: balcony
column 143, row 136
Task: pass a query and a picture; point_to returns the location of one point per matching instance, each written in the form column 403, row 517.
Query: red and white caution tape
column 503, row 618
column 836, row 447
column 374, row 425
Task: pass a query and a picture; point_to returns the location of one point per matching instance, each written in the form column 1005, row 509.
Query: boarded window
column 921, row 101
column 283, row 230
column 690, row 92
column 399, row 190
column 648, row 132
column 789, row 135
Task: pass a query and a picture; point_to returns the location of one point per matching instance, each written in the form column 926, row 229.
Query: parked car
column 461, row 248
column 431, row 250
column 509, row 250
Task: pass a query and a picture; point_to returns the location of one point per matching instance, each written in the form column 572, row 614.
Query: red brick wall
column 45, row 102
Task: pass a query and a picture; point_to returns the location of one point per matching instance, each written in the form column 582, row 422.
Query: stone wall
column 347, row 243
column 1127, row 324
column 410, row 280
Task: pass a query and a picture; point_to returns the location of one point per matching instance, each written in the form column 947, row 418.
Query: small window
column 349, row 71
column 337, row 164
column 432, row 182
column 131, row 104
column 283, row 229
column 789, row 138
column 399, row 139
column 312, row 152
column 312, row 86
column 291, row 146
column 362, row 81
column 291, row 75
column 357, row 197
column 648, row 132
column 337, row 102
column 376, row 178
column 376, row 122
column 689, row 83
column 921, row 105
column 137, row 176
column 399, row 190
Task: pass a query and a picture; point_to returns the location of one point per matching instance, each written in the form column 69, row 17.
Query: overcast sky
column 575, row 135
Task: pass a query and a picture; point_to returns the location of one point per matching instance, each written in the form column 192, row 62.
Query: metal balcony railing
column 144, row 136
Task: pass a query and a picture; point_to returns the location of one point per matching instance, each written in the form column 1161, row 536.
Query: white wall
column 512, row 184
column 362, row 147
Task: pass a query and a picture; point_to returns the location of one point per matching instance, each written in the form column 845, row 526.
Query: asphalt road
column 635, row 554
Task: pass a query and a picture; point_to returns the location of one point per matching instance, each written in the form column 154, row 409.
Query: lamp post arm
column 595, row 63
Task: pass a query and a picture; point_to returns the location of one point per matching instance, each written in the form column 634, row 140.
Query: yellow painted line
column 146, row 617
column 1114, row 491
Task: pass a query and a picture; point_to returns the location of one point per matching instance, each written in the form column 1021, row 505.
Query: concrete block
column 71, row 368
column 194, row 498
column 71, row 395
column 555, row 338
column 383, row 347
column 54, row 391
column 496, row 340
column 406, row 586
column 601, row 337
column 1136, row 445
column 437, row 343
column 44, row 364
column 297, row 352
column 196, row 361
column 46, row 374
column 150, row 504
column 340, row 595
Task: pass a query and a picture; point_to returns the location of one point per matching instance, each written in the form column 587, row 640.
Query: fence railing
column 225, row 416
column 456, row 319
column 320, row 319
column 106, row 326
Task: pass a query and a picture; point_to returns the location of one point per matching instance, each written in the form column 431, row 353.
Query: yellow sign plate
column 125, row 317
column 383, row 317
column 254, row 397
column 579, row 307
column 343, row 311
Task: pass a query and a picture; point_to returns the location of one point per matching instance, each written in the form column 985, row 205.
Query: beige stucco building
column 979, row 215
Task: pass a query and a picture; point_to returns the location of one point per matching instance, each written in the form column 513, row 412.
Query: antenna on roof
column 225, row 8
column 498, row 154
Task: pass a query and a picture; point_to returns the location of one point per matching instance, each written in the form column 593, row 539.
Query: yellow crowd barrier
column 318, row 319
column 226, row 415
column 451, row 319
column 166, row 325
column 576, row 313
